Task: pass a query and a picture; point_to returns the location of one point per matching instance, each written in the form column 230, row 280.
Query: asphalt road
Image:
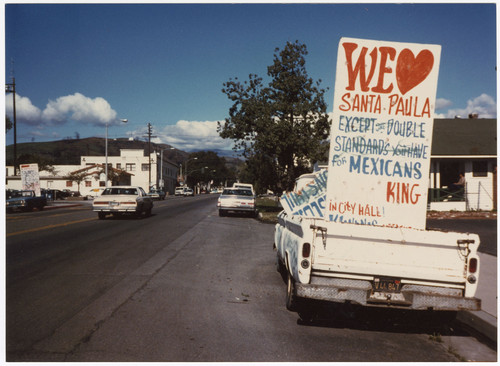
column 183, row 285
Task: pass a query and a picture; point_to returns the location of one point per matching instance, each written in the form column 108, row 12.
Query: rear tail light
column 473, row 265
column 306, row 250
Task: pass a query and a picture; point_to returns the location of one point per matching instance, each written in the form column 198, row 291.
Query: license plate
column 386, row 285
column 114, row 203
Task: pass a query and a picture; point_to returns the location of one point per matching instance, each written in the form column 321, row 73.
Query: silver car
column 120, row 200
column 236, row 200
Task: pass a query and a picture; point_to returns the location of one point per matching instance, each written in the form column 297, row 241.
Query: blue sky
column 79, row 67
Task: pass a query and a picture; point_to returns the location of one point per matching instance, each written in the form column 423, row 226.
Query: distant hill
column 69, row 151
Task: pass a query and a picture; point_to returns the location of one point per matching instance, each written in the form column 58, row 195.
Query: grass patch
column 268, row 209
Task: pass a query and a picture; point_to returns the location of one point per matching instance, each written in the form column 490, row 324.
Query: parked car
column 157, row 194
column 244, row 185
column 188, row 192
column 120, row 200
column 236, row 200
column 179, row 191
column 25, row 201
column 94, row 192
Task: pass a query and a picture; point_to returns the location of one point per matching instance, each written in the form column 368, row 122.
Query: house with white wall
column 131, row 167
column 467, row 146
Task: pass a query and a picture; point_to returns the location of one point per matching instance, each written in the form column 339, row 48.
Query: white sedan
column 119, row 200
column 236, row 200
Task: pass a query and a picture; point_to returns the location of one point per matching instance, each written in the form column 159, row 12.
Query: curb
column 62, row 206
column 481, row 322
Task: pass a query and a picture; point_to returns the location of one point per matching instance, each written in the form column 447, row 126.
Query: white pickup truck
column 376, row 266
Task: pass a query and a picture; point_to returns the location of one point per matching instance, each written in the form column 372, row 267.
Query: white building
column 132, row 167
column 469, row 147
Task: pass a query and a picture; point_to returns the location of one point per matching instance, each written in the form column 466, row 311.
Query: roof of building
column 464, row 137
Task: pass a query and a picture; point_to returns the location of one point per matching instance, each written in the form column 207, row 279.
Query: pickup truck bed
column 377, row 266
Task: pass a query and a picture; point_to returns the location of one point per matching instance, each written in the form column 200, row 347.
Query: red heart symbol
column 411, row 71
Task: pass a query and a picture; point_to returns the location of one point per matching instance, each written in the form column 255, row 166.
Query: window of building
column 102, row 183
column 118, row 165
column 145, row 167
column 480, row 168
column 88, row 183
column 69, row 183
column 130, row 167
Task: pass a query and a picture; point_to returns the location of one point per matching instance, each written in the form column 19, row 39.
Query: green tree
column 281, row 127
column 207, row 166
column 78, row 177
column 43, row 164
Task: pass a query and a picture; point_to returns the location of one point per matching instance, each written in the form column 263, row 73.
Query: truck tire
column 291, row 298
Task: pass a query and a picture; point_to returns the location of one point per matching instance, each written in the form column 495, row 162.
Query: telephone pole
column 11, row 88
column 149, row 135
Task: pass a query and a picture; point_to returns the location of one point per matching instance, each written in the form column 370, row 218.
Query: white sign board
column 381, row 133
column 30, row 179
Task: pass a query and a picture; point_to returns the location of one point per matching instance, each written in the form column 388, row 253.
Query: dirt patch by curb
column 491, row 215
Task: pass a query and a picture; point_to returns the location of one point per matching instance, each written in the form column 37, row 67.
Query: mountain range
column 69, row 151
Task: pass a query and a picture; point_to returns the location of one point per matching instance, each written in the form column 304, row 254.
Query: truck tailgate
column 403, row 253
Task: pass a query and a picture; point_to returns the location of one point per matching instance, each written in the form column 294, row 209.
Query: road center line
column 49, row 227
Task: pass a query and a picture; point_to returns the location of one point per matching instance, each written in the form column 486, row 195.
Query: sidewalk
column 484, row 321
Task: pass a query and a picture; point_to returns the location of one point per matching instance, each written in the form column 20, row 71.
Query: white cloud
column 194, row 135
column 79, row 108
column 484, row 106
column 25, row 111
column 76, row 107
column 442, row 103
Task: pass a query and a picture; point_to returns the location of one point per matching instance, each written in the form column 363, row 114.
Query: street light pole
column 106, row 151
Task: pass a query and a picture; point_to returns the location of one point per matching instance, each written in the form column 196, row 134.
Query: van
column 244, row 186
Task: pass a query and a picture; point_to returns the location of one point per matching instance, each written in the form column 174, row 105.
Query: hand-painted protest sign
column 30, row 179
column 308, row 200
column 381, row 132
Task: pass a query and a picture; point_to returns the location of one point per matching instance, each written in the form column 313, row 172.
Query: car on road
column 236, row 200
column 25, row 201
column 179, row 191
column 188, row 192
column 118, row 200
column 157, row 194
column 244, row 186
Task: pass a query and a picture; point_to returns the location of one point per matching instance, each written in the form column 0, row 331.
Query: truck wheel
column 222, row 213
column 101, row 215
column 291, row 298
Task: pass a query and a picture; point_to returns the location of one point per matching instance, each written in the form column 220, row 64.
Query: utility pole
column 149, row 135
column 11, row 88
